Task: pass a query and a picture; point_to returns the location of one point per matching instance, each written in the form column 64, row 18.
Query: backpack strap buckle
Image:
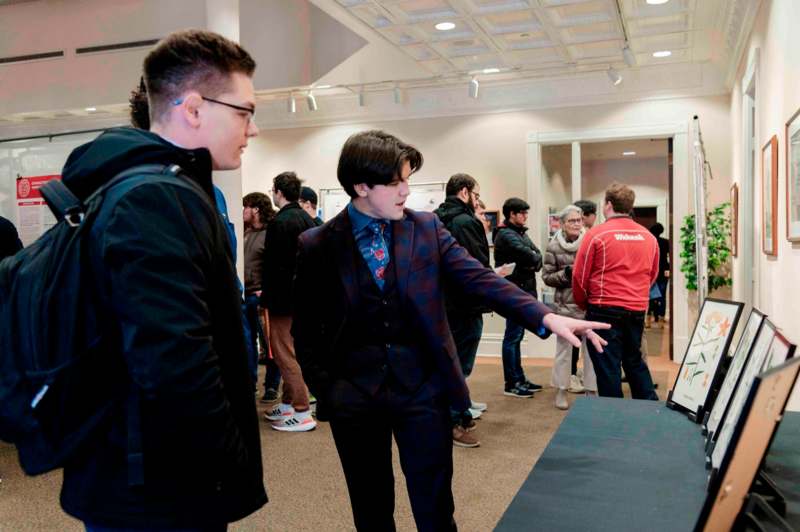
column 74, row 217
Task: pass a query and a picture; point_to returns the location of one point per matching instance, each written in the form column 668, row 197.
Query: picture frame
column 733, row 374
column 493, row 217
column 769, row 197
column 730, row 483
column 793, row 178
column 701, row 370
column 735, row 220
column 762, row 359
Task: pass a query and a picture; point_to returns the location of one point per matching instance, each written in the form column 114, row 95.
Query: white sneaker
column 575, row 385
column 475, row 413
column 561, row 399
column 481, row 407
column 280, row 412
column 299, row 422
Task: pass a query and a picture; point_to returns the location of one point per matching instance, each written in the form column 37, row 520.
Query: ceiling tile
column 375, row 16
column 421, row 52
column 478, row 62
column 665, row 24
column 411, row 11
column 641, row 9
column 483, row 7
column 652, row 43
column 524, row 41
column 607, row 49
column 462, row 47
column 546, row 57
column 589, row 12
column 511, row 22
column 463, row 30
column 601, row 31
column 403, row 35
column 437, row 66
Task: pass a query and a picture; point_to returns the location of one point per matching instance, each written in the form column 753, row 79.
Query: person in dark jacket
column 658, row 306
column 371, row 333
column 308, row 201
column 464, row 314
column 9, row 239
column 512, row 246
column 293, row 413
column 173, row 305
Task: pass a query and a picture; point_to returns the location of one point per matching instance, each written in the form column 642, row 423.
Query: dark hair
column 458, row 182
column 289, row 185
column 621, row 197
column 192, row 59
column 138, row 106
column 514, row 205
column 374, row 158
column 657, row 229
column 261, row 202
column 587, row 207
column 308, row 194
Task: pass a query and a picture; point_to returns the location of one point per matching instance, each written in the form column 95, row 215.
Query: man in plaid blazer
column 372, row 337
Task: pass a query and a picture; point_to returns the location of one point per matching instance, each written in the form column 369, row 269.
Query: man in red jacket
column 613, row 271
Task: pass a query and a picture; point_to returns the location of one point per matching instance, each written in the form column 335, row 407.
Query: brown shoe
column 469, row 426
column 462, row 438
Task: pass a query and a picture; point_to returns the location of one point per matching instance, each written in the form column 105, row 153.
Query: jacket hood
column 521, row 229
column 452, row 207
column 93, row 164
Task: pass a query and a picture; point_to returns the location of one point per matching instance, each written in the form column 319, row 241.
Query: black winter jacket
column 280, row 256
column 511, row 244
column 9, row 239
column 460, row 220
column 174, row 315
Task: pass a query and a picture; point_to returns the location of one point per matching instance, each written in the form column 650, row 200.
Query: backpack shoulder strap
column 62, row 202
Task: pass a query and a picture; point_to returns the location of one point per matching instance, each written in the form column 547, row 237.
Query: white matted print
column 734, row 370
column 753, row 367
column 709, row 344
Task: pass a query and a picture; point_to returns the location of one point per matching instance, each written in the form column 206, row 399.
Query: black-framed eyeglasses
column 249, row 110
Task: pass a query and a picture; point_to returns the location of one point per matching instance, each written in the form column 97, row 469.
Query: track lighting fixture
column 614, row 76
column 361, row 98
column 398, row 95
column 292, row 104
column 473, row 88
column 311, row 101
column 627, row 54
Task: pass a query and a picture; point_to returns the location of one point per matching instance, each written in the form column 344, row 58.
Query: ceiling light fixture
column 491, row 70
column 361, row 99
column 322, row 86
column 628, row 153
column 657, row 2
column 627, row 54
column 292, row 107
column 398, row 95
column 614, row 76
column 474, row 86
column 662, row 53
column 311, row 101
column 445, row 26
column 91, row 109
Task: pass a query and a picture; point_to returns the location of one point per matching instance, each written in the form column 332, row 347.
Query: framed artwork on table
column 732, row 376
column 769, row 197
column 735, row 220
column 750, row 441
column 793, row 178
column 701, row 370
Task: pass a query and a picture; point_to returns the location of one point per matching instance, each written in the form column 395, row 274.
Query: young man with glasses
column 172, row 305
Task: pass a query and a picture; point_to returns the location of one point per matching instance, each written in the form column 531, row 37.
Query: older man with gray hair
column 557, row 272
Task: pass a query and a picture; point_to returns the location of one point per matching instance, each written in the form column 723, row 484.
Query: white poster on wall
column 422, row 197
column 33, row 214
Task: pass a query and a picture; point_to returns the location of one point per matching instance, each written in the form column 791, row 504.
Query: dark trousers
column 466, row 330
column 362, row 427
column 513, row 373
column 253, row 332
column 658, row 306
column 624, row 342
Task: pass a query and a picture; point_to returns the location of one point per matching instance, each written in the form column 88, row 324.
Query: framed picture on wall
column 769, row 197
column 493, row 217
column 735, row 220
column 793, row 178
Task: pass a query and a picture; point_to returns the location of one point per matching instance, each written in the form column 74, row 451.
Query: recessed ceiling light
column 445, row 26
column 662, row 53
column 657, row 2
column 322, row 86
column 628, row 153
column 491, row 70
column 91, row 109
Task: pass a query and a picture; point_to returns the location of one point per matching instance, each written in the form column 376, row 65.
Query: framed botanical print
column 735, row 220
column 793, row 178
column 769, row 197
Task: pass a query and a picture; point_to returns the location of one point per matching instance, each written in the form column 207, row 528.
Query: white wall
column 777, row 99
column 491, row 147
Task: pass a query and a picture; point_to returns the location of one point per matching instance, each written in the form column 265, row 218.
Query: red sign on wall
column 28, row 187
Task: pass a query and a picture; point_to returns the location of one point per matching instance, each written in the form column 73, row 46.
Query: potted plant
column 718, row 228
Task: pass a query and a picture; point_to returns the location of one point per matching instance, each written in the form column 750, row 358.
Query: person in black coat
column 173, row 307
column 658, row 306
column 9, row 239
column 513, row 246
column 464, row 314
column 293, row 413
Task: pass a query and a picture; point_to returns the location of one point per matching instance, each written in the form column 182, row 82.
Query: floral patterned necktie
column 378, row 256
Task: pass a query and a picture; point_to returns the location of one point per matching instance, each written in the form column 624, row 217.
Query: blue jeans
column 512, row 355
column 466, row 330
column 624, row 349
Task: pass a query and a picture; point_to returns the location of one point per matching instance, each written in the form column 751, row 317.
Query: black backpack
column 60, row 374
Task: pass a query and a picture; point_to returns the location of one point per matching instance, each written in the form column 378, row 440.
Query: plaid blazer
column 425, row 254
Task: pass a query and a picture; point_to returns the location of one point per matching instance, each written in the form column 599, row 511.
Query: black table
column 621, row 464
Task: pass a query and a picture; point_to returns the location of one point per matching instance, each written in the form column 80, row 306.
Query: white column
column 222, row 16
column 576, row 172
column 682, row 199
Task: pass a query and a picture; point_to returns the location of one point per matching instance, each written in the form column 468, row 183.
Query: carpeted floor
column 304, row 480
